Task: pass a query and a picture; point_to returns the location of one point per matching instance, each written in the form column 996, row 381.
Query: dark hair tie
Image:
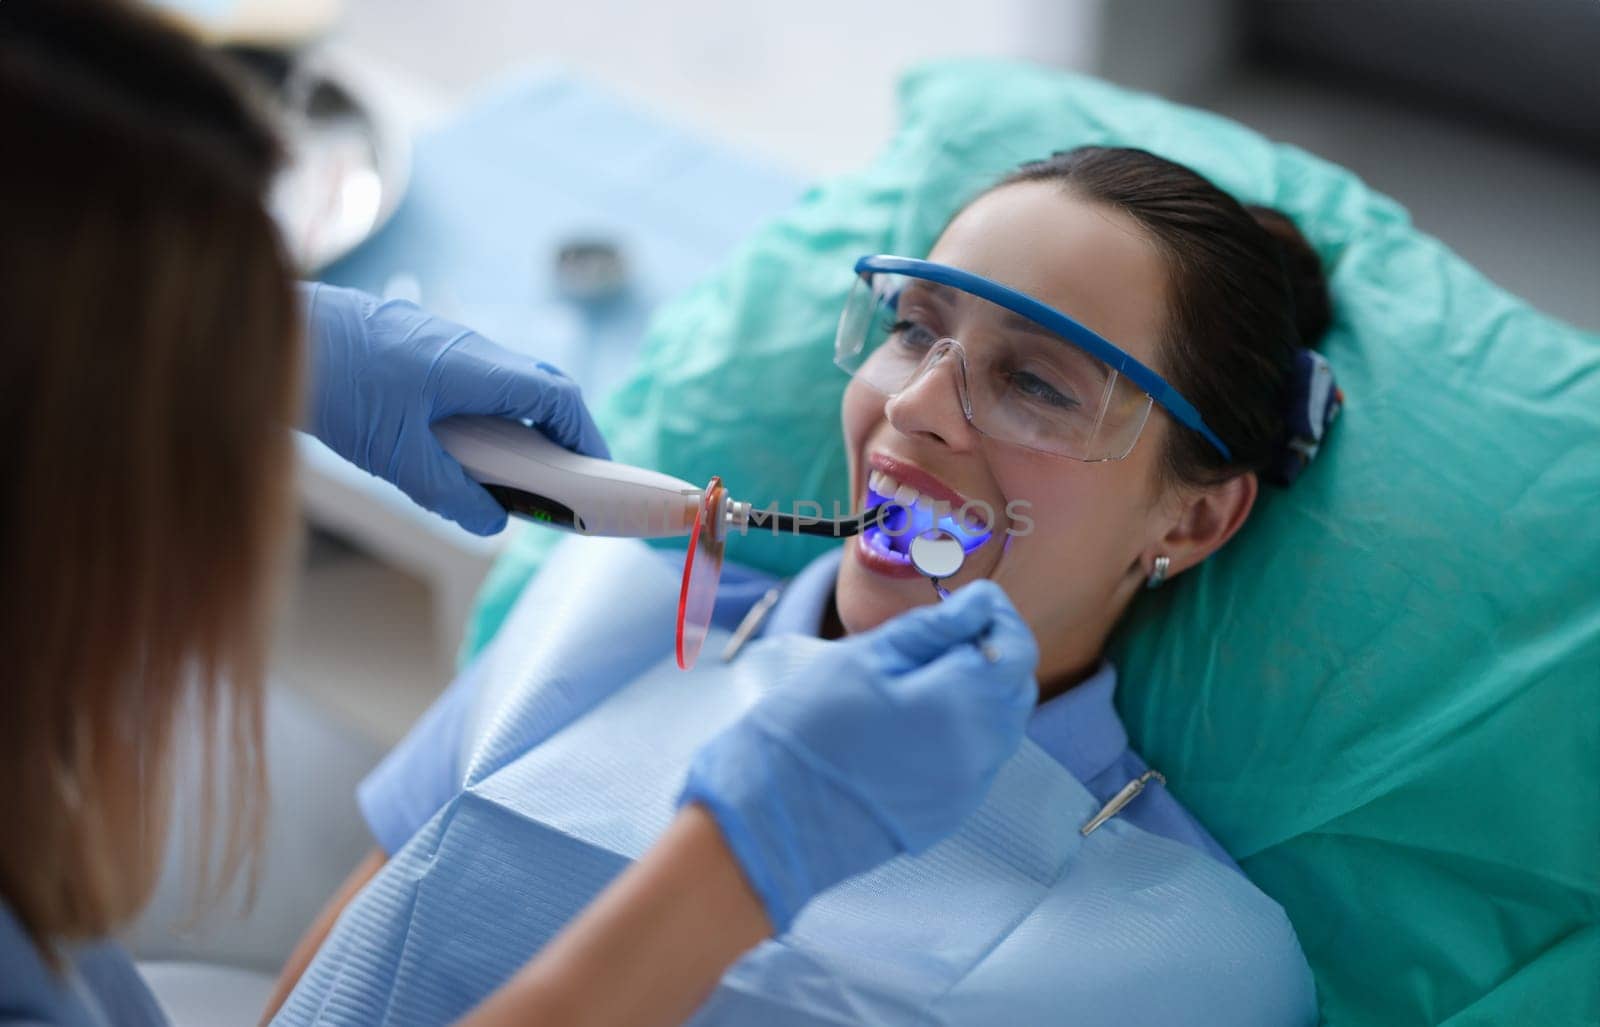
column 1313, row 401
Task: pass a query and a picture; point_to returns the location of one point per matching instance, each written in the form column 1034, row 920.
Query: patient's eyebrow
column 1010, row 320
column 958, row 297
column 922, row 288
column 1017, row 323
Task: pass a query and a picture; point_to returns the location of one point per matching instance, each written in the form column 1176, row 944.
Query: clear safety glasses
column 1025, row 372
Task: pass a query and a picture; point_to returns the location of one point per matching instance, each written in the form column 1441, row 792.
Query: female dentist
column 153, row 343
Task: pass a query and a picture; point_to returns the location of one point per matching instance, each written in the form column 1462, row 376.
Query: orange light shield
column 702, row 572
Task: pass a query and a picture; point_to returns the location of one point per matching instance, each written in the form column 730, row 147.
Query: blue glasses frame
column 1153, row 385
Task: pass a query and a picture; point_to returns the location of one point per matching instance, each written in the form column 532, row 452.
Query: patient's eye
column 910, row 333
column 1035, row 388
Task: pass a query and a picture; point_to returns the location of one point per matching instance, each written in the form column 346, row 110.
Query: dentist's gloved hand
column 875, row 745
column 382, row 372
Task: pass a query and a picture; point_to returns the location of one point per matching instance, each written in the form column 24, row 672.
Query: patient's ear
column 1206, row 518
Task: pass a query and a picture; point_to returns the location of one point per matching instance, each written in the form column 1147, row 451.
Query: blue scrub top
column 1079, row 728
column 97, row 986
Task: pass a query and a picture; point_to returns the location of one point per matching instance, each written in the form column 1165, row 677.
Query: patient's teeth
column 905, row 495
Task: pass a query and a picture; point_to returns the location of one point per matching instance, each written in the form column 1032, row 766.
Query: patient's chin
column 865, row 600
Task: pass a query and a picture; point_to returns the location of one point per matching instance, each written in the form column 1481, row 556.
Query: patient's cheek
column 860, row 412
column 859, row 616
column 860, row 606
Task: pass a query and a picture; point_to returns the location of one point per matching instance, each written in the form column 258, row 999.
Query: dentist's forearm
column 650, row 948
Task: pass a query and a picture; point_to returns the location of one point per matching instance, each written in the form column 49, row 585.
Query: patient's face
column 1079, row 566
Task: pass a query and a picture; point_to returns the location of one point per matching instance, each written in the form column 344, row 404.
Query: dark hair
column 151, row 372
column 1247, row 291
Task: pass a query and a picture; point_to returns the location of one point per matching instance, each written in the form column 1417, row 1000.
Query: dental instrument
column 540, row 480
column 939, row 554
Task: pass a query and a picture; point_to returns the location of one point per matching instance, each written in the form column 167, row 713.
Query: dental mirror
column 938, row 554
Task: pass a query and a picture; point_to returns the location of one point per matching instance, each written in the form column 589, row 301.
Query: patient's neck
column 1057, row 683
column 1053, row 680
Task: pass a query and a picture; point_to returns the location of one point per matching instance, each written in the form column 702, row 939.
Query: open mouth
column 912, row 515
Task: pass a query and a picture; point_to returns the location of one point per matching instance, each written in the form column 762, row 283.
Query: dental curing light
column 543, row 482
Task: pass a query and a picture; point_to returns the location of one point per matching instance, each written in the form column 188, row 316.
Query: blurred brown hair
column 150, row 372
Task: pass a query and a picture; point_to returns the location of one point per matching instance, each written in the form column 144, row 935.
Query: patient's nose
column 931, row 404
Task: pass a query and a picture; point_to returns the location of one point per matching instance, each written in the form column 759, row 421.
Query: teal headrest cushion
column 1382, row 696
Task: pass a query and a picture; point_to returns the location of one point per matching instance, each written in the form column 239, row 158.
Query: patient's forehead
column 1089, row 261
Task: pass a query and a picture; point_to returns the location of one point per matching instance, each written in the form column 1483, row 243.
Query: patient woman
column 1101, row 359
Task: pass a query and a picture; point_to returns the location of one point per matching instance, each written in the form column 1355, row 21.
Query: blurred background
column 668, row 131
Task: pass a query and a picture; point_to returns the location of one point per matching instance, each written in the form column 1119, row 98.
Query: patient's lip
column 889, row 567
column 910, row 474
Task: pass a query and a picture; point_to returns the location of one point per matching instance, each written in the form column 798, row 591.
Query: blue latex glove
column 383, row 372
column 882, row 744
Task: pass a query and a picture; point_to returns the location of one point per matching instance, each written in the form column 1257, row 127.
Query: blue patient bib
column 579, row 746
